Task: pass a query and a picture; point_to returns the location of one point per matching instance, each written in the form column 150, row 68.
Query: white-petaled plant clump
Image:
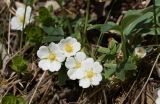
column 86, row 70
column 22, row 18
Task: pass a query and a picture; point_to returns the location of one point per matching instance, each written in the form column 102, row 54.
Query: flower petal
column 97, row 67
column 21, row 11
column 43, row 52
column 53, row 47
column 44, row 64
column 71, row 40
column 88, row 63
column 85, row 83
column 71, row 74
column 75, row 74
column 68, row 54
column 80, row 73
column 77, row 47
column 15, row 24
column 28, row 11
column 55, row 66
column 157, row 101
column 70, row 62
column 60, row 57
column 80, row 56
column 96, row 79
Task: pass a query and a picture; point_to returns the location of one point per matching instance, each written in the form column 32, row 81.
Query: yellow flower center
column 21, row 19
column 68, row 47
column 52, row 57
column 78, row 65
column 90, row 73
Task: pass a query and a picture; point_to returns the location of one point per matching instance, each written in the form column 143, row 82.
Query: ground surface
column 49, row 91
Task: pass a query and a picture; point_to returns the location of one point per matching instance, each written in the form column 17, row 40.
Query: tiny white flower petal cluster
column 140, row 52
column 158, row 99
column 86, row 70
column 21, row 18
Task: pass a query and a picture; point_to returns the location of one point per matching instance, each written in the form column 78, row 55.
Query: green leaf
column 157, row 2
column 54, row 34
column 11, row 99
column 34, row 34
column 113, row 46
column 121, row 75
column 101, row 58
column 110, row 70
column 19, row 64
column 131, row 21
column 129, row 66
column 110, row 26
column 103, row 50
column 54, row 31
column 96, row 26
column 45, row 17
column 51, row 39
column 112, row 43
column 20, row 100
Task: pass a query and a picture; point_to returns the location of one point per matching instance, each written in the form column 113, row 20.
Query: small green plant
column 19, row 64
column 11, row 99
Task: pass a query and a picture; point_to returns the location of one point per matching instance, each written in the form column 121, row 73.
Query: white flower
column 76, row 65
column 157, row 100
column 92, row 75
column 69, row 46
column 18, row 20
column 53, row 4
column 140, row 52
column 50, row 57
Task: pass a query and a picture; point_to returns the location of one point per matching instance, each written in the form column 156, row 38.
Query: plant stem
column 124, row 45
column 86, row 18
column 84, row 40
